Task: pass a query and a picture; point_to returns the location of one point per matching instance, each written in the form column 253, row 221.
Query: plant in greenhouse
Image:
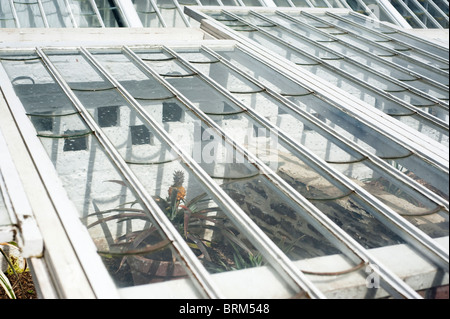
column 203, row 225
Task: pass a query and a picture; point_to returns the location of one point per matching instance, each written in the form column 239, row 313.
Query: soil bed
column 23, row 290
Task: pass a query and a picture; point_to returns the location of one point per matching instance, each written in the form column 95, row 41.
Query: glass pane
column 252, row 3
column 180, row 194
column 104, row 200
column 209, row 2
column 341, row 122
column 407, row 45
column 57, row 14
column 310, row 183
column 147, row 13
column 170, row 13
column 301, row 3
column 307, row 32
column 6, row 15
column 230, row 170
column 29, row 13
column 109, row 13
column 84, row 14
column 401, row 199
column 281, row 3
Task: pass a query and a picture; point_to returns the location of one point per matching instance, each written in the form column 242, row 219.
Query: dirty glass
column 181, row 195
column 170, row 13
column 357, row 55
column 147, row 13
column 378, row 11
column 57, row 14
column 109, row 13
column 353, row 72
column 349, row 162
column 29, row 13
column 317, row 189
column 6, row 15
column 234, row 176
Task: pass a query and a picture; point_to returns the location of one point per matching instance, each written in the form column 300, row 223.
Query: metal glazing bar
column 367, row 53
column 411, row 13
column 398, row 287
column 97, row 13
column 383, row 165
column 438, row 124
column 395, row 16
column 421, row 40
column 361, row 65
column 436, row 7
column 423, row 151
column 43, row 14
column 181, row 13
column 204, row 283
column 290, row 3
column 394, row 52
column 429, row 16
column 397, row 54
column 72, row 17
column 128, row 13
column 389, row 38
column 14, row 12
column 275, row 256
column 416, row 237
column 367, row 9
column 267, row 3
column 158, row 13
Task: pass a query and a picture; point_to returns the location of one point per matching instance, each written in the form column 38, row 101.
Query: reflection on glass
column 231, row 170
column 29, row 13
column 6, row 15
column 84, row 14
column 219, row 244
column 396, row 195
column 57, row 14
column 118, row 224
column 170, row 13
column 147, row 13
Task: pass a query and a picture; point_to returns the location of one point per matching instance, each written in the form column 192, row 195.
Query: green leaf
column 4, row 282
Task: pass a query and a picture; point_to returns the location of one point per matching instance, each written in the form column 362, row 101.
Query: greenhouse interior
column 226, row 149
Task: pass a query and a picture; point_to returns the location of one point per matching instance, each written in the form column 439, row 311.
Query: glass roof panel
column 345, row 125
column 363, row 81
